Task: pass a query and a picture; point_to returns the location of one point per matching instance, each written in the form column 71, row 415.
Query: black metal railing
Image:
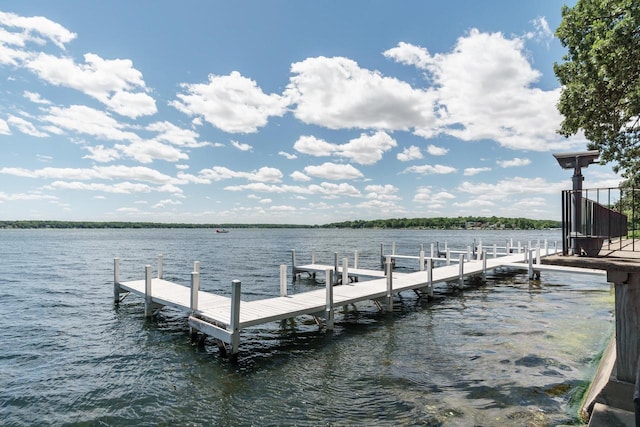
column 600, row 218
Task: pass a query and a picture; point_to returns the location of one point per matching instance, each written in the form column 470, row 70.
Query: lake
column 507, row 352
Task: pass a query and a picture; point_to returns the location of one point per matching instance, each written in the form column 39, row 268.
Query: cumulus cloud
column 25, row 126
column 364, row 150
column 475, row 171
column 115, row 83
column 437, row 151
column 333, row 171
column 336, row 93
column 430, row 169
column 233, row 103
column 410, row 153
column 35, row 29
column 240, row 146
column 220, row 173
column 513, row 162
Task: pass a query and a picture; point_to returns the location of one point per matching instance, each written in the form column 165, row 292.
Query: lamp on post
column 576, row 161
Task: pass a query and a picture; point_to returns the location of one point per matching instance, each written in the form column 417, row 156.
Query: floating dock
column 223, row 317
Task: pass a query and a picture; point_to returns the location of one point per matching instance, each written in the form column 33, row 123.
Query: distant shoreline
column 437, row 223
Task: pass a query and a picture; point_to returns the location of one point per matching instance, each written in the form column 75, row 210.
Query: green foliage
column 601, row 79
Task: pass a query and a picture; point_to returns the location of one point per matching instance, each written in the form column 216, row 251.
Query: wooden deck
column 223, row 317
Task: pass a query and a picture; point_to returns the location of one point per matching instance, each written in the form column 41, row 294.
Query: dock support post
column 195, row 288
column 294, row 271
column 116, row 280
column 448, row 257
column 313, row 255
column 469, row 253
column 430, row 276
column 479, row 250
column 461, row 269
column 393, row 248
column 329, row 314
column 196, row 266
column 484, row 266
column 421, row 260
column 432, row 251
column 234, row 323
column 530, row 251
column 355, row 259
column 335, row 268
column 283, row 280
column 160, row 266
column 382, row 255
column 345, row 272
column 148, row 306
column 389, row 296
column 538, row 253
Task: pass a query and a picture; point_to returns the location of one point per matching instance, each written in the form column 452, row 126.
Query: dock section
column 223, row 317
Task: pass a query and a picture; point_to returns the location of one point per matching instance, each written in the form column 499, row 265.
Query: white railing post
column 484, row 265
column 329, row 315
column 293, row 264
column 519, row 247
column 393, row 248
column 355, row 259
column 160, row 266
column 196, row 266
column 421, row 260
column 147, row 292
column 313, row 255
column 479, row 249
column 448, row 257
column 469, row 253
column 538, row 254
column 432, row 251
column 335, row 267
column 495, row 250
column 283, row 280
column 234, row 322
column 195, row 289
column 345, row 271
column 389, row 296
column 430, row 275
column 461, row 269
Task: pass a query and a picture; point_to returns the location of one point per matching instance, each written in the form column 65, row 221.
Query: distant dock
column 224, row 317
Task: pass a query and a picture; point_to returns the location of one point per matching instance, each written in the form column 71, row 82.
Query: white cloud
column 220, row 173
column 287, row 155
column 475, row 171
column 111, row 82
column 410, row 153
column 511, row 186
column 168, row 132
column 364, row 150
column 166, row 202
column 430, row 169
column 299, row 176
column 409, row 54
column 313, row 146
column 240, row 146
column 336, row 93
column 82, row 119
column 437, row 151
column 32, row 28
column 25, row 127
column 382, row 192
column 101, row 154
column 232, row 103
column 515, row 162
column 474, row 203
column 36, row 98
column 333, row 171
column 148, row 151
column 4, row 128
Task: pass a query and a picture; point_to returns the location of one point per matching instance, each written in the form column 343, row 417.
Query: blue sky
column 281, row 111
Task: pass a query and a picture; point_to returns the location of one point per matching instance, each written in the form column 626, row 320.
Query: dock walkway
column 223, row 317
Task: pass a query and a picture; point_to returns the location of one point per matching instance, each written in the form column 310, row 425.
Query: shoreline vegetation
column 436, row 223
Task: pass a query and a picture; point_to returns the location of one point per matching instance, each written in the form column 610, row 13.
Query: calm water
column 508, row 352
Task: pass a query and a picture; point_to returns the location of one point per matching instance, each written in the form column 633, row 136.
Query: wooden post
column 430, row 275
column 283, row 280
column 116, row 280
column 345, row 271
column 461, row 269
column 160, row 266
column 329, row 314
column 234, row 323
column 355, row 259
column 389, row 296
column 195, row 288
column 148, row 312
column 422, row 260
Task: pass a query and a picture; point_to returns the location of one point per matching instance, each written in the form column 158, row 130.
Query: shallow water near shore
column 507, row 352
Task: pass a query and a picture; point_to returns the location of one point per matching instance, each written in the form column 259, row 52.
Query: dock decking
column 223, row 317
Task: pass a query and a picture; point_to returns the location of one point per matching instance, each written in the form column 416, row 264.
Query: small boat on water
column 221, row 230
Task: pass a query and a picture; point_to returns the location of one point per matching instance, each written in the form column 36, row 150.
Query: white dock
column 223, row 317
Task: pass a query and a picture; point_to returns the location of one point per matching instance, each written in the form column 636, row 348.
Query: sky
column 281, row 112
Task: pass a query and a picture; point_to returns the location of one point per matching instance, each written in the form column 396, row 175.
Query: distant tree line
column 446, row 223
column 396, row 223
